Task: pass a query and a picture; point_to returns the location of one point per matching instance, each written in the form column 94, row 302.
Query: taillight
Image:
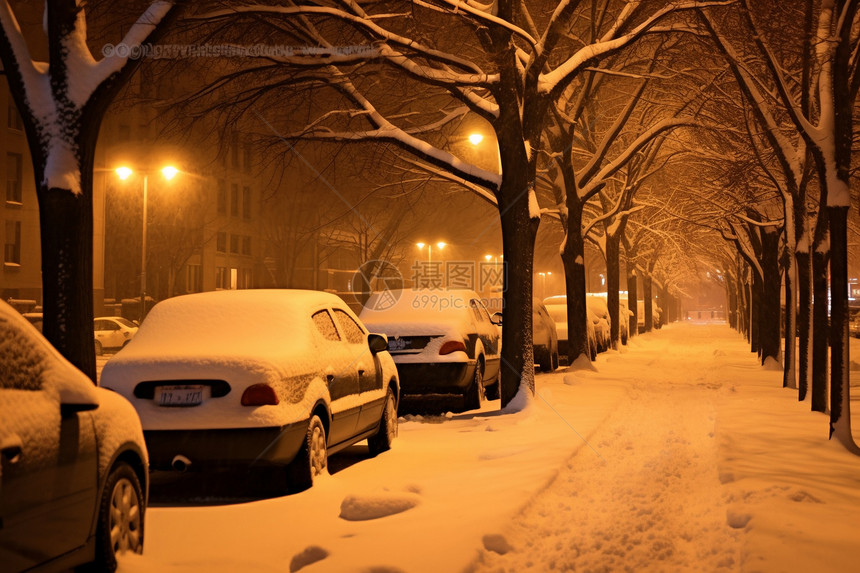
column 452, row 346
column 259, row 395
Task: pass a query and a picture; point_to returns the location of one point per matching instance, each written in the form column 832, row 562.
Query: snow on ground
column 680, row 453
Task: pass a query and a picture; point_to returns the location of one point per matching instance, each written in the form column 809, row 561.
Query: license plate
column 181, row 395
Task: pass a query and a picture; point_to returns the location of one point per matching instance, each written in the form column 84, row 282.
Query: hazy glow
column 420, row 245
column 169, row 172
column 124, row 172
column 441, row 245
column 475, row 138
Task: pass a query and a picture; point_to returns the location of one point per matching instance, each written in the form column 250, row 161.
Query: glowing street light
column 475, row 138
column 440, row 245
column 168, row 172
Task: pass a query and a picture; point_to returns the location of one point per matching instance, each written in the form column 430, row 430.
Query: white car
column 73, row 464
column 598, row 311
column 112, row 333
column 257, row 378
column 624, row 315
column 640, row 315
column 544, row 338
column 444, row 342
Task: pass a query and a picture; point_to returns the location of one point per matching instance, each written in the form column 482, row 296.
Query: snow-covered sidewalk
column 677, row 454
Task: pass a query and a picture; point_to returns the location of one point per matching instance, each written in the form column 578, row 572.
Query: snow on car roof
column 240, row 322
column 421, row 310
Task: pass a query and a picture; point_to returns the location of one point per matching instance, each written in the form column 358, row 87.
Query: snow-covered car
column 257, row 379
column 444, row 342
column 544, row 338
column 556, row 307
column 624, row 315
column 112, row 333
column 73, row 477
column 640, row 315
column 598, row 312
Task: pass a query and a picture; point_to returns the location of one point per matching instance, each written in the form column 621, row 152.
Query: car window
column 324, row 323
column 125, row 322
column 21, row 363
column 481, row 314
column 354, row 333
column 99, row 325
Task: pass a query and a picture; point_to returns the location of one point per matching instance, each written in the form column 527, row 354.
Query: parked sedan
column 544, row 338
column 257, row 378
column 73, row 479
column 112, row 333
column 444, row 343
column 598, row 312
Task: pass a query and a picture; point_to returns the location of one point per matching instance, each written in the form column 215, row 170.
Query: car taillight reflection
column 452, row 346
column 259, row 395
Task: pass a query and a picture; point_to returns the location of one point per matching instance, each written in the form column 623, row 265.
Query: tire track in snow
column 656, row 502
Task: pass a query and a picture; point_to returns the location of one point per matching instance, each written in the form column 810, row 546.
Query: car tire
column 476, row 393
column 120, row 518
column 542, row 357
column 494, row 392
column 381, row 440
column 555, row 360
column 99, row 349
column 312, row 459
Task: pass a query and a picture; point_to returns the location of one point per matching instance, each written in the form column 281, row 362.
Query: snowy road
column 696, row 459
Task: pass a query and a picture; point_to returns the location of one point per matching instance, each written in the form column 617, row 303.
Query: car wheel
column 555, row 360
column 381, row 441
column 99, row 348
column 120, row 519
column 476, row 393
column 311, row 460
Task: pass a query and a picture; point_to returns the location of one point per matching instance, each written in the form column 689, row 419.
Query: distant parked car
column 257, row 378
column 544, row 338
column 598, row 311
column 624, row 315
column 640, row 315
column 556, row 307
column 73, row 477
column 443, row 341
column 112, row 333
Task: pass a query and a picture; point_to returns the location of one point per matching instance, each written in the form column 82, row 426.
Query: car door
column 48, row 469
column 490, row 337
column 108, row 333
column 368, row 369
column 340, row 375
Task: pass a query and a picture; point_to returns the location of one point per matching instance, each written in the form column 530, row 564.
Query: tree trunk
column 613, row 248
column 840, row 387
column 769, row 315
column 732, row 304
column 632, row 302
column 649, row 309
column 573, row 259
column 66, row 227
column 820, row 331
column 755, row 314
column 804, row 323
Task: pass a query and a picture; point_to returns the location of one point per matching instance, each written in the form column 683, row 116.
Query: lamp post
column 420, row 246
column 476, row 139
column 169, row 172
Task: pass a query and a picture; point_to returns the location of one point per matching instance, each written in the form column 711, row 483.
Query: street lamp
column 476, row 139
column 420, row 246
column 169, row 172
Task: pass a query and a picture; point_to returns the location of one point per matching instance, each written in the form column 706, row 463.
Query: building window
column 222, row 197
column 13, row 118
column 222, row 278
column 247, row 157
column 234, row 200
column 246, row 245
column 12, row 250
column 193, row 278
column 246, row 202
column 221, row 242
column 234, row 244
column 13, row 178
column 234, row 150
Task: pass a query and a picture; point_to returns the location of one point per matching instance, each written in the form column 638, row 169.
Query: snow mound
column 718, row 353
column 736, row 519
column 570, row 380
column 310, row 555
column 854, row 366
column 366, row 507
column 582, row 362
column 496, row 543
column 771, row 364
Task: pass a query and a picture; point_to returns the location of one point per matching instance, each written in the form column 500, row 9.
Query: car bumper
column 417, row 379
column 211, row 449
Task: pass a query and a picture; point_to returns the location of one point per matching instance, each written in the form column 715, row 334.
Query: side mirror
column 76, row 397
column 377, row 342
column 496, row 318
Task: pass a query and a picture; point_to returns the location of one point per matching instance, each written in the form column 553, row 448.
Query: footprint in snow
column 365, row 507
column 310, row 555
